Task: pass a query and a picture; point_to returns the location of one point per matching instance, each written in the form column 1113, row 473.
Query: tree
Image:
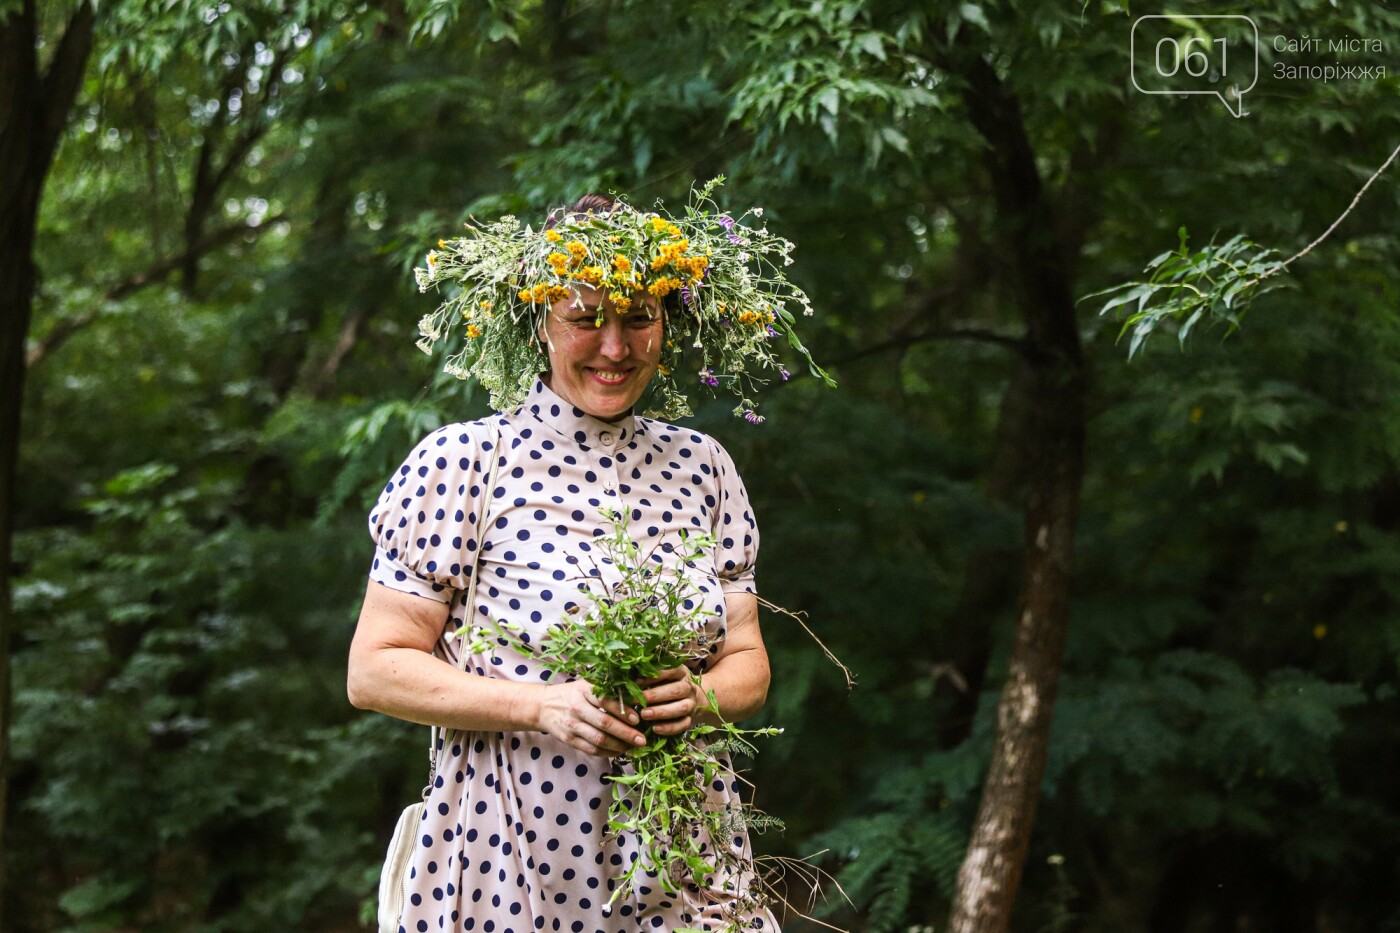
column 35, row 100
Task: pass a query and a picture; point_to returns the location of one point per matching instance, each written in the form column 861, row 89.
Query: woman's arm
column 392, row 670
column 738, row 674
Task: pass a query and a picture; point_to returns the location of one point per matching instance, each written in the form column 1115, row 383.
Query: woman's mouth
column 609, row 377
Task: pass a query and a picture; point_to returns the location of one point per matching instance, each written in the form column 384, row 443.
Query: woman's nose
column 614, row 338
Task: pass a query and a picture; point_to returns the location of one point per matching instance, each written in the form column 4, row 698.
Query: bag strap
column 482, row 507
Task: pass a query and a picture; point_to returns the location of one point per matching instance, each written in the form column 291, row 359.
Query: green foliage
column 1215, row 283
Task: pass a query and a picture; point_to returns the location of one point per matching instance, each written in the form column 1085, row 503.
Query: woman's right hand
column 571, row 713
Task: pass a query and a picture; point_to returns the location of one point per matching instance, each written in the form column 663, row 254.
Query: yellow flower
column 664, row 286
column 442, row 244
column 473, row 331
column 1196, row 414
column 673, row 230
column 553, row 236
column 1319, row 631
column 577, row 250
column 662, row 369
column 621, row 263
column 659, row 223
column 432, row 259
column 523, row 294
column 557, row 293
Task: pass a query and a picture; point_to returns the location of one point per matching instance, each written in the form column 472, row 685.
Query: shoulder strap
column 483, row 506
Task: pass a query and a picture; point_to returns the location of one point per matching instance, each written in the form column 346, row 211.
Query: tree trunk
column 1053, row 440
column 33, row 113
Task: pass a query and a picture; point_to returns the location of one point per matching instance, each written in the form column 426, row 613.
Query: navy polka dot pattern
column 513, row 834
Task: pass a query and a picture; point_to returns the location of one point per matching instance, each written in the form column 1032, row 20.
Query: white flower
column 758, row 212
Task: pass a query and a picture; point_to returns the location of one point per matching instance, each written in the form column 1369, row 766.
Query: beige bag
column 395, row 871
column 393, row 877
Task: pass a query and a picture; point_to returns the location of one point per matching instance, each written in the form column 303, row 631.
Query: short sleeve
column 425, row 520
column 736, row 531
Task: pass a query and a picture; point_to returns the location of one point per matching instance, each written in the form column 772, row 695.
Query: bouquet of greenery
column 639, row 627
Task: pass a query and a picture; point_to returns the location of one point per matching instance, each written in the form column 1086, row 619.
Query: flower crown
column 725, row 292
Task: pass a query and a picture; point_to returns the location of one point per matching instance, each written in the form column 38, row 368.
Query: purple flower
column 685, row 295
column 708, row 378
column 753, row 417
column 726, row 221
column 782, row 371
column 771, row 331
column 735, row 238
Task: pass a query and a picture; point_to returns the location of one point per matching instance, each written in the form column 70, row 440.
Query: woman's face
column 602, row 369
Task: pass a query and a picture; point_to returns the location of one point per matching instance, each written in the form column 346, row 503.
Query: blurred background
column 212, row 320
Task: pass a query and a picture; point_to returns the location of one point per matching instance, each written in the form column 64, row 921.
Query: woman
column 514, row 838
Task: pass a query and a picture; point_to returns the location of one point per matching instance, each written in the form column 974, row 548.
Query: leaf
column 895, row 138
column 1190, row 322
column 872, row 44
column 974, row 15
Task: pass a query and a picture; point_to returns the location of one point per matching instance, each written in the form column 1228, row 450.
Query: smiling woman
column 514, row 834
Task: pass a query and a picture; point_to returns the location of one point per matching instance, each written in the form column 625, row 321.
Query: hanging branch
column 1219, row 282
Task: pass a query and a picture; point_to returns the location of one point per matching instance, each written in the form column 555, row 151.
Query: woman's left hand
column 672, row 697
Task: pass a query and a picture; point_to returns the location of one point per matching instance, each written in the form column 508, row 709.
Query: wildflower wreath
column 721, row 281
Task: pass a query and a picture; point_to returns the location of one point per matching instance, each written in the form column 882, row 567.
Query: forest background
column 210, row 216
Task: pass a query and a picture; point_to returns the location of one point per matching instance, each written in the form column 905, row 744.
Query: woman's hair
column 589, row 203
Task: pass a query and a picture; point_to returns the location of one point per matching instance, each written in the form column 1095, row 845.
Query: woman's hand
column 672, row 699
column 571, row 713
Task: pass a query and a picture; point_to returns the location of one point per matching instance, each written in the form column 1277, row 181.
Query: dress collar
column 573, row 422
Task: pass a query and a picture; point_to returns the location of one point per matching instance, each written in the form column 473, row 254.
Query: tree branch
column 318, row 385
column 156, row 272
column 905, row 340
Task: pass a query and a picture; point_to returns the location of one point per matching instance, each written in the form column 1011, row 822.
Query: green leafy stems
column 1217, row 282
column 647, row 622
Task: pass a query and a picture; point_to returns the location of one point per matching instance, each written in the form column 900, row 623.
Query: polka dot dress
column 513, row 836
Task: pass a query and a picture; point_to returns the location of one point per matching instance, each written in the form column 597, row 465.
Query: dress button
column 606, row 438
